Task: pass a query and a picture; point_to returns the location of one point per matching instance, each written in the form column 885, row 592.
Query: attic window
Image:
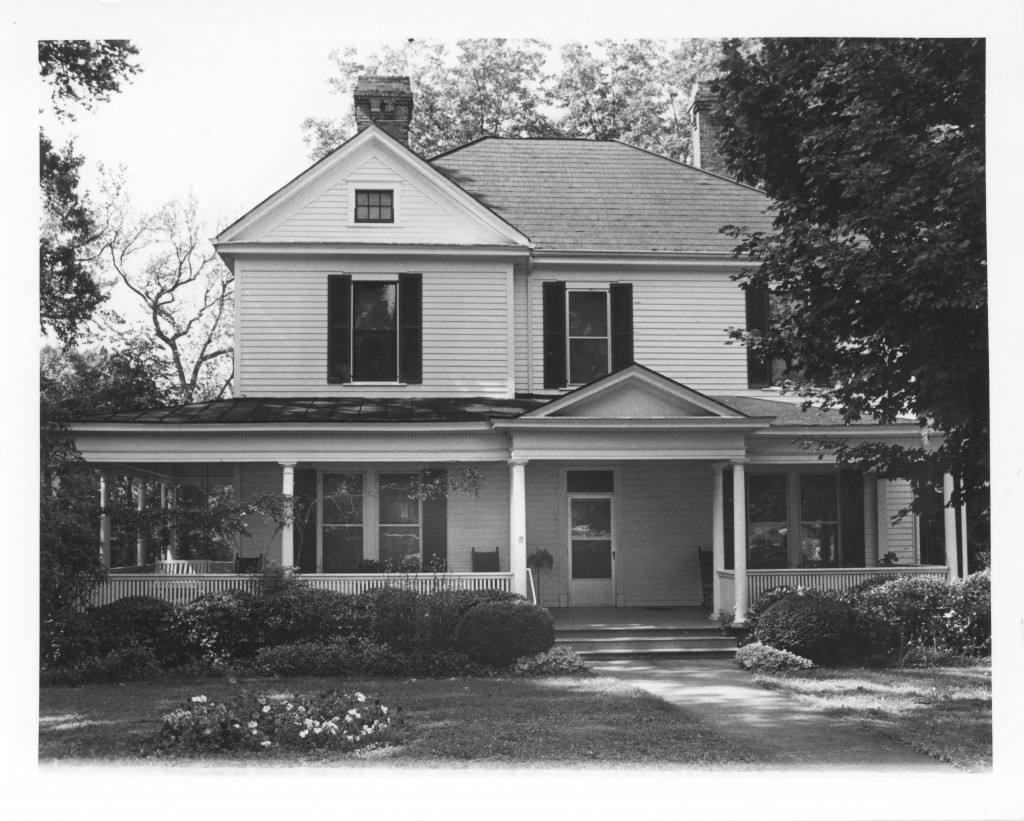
column 375, row 206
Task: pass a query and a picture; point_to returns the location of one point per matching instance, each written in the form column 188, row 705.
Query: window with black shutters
column 587, row 333
column 375, row 329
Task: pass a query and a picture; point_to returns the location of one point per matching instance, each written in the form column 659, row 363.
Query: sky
column 217, row 112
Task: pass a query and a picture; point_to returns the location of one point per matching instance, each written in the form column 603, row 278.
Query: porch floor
column 631, row 618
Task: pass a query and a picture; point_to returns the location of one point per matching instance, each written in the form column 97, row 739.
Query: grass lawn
column 943, row 711
column 541, row 721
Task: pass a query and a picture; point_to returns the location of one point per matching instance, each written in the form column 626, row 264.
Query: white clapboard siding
column 664, row 515
column 900, row 537
column 680, row 319
column 423, row 213
column 282, row 328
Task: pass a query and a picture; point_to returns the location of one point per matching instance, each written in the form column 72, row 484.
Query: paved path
column 781, row 733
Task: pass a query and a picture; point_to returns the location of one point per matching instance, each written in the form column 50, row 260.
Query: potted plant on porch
column 538, row 559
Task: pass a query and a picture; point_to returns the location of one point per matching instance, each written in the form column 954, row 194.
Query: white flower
column 253, row 725
column 266, row 709
column 264, row 743
column 199, row 699
column 304, row 733
column 360, row 697
column 383, row 709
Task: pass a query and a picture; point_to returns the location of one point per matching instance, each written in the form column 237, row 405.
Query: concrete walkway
column 779, row 732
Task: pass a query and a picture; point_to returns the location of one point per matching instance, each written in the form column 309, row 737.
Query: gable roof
column 576, row 195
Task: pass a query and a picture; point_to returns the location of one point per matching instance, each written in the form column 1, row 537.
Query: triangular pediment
column 635, row 392
column 318, row 205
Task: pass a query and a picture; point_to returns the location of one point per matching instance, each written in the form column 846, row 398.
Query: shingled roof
column 576, row 195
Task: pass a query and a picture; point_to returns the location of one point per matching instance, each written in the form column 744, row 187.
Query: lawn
column 540, row 721
column 943, row 711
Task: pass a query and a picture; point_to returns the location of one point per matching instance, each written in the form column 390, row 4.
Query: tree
column 874, row 154
column 188, row 293
column 80, row 74
column 490, row 87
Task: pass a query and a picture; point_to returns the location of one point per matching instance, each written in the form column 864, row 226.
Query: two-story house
column 552, row 314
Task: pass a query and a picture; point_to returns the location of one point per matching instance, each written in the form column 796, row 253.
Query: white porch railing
column 819, row 578
column 182, row 589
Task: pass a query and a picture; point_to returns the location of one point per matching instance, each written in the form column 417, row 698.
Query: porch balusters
column 288, row 530
column 717, row 538
column 517, row 524
column 142, row 544
column 105, row 518
column 739, row 525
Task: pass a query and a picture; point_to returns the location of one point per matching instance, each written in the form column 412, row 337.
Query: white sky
column 217, row 112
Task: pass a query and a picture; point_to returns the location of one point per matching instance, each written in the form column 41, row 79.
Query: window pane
column 768, row 521
column 386, row 214
column 396, row 508
column 588, row 360
column 342, row 549
column 385, row 198
column 374, row 306
column 362, row 198
column 590, row 481
column 399, row 542
column 343, row 498
column 374, row 333
column 819, row 542
column 818, row 497
column 361, row 213
column 588, row 313
column 819, row 519
column 591, row 519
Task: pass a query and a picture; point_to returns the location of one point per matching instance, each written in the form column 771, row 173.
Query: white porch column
column 172, row 530
column 288, row 531
column 739, row 529
column 964, row 566
column 717, row 537
column 517, row 524
column 142, row 545
column 949, row 522
column 105, row 518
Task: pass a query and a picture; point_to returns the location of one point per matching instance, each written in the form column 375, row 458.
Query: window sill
column 377, row 384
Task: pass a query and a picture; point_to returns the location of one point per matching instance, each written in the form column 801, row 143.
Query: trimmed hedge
column 811, row 626
column 758, row 656
column 499, row 633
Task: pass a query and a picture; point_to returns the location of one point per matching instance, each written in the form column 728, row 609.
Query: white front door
column 591, row 551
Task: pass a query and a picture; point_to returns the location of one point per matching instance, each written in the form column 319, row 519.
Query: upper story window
column 375, row 329
column 587, row 333
column 375, row 205
column 762, row 371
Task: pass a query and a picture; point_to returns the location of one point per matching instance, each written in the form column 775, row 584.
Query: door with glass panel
column 591, row 552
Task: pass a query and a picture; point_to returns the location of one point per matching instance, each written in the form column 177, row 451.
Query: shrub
column 498, row 633
column 126, row 664
column 808, row 625
column 558, row 661
column 439, row 614
column 219, row 626
column 257, row 723
column 307, row 614
column 393, row 615
column 761, row 657
column 967, row 622
column 304, row 659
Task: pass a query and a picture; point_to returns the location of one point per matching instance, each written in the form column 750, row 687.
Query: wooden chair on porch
column 707, row 570
column 485, row 561
column 248, row 564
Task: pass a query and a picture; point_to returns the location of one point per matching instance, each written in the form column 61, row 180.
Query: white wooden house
column 553, row 314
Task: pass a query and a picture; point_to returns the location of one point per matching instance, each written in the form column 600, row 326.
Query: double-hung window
column 375, row 329
column 412, row 522
column 588, row 332
column 342, row 510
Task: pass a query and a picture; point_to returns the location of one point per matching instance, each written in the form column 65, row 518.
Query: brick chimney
column 386, row 102
column 703, row 116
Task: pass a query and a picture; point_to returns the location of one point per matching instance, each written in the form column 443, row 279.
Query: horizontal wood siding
column 480, row 521
column 544, row 529
column 679, row 325
column 901, row 537
column 664, row 514
column 260, row 478
column 283, row 328
column 423, row 214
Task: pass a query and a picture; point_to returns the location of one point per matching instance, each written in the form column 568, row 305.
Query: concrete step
column 650, row 643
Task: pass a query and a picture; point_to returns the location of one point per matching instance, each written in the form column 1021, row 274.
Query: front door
column 591, row 552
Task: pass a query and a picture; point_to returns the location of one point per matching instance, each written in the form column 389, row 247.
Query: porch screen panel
column 768, row 524
column 851, row 522
column 435, row 525
column 342, row 505
column 306, row 526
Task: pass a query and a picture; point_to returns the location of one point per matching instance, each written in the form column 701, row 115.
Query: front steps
column 596, row 644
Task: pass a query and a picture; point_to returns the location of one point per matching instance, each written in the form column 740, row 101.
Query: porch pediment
column 635, row 392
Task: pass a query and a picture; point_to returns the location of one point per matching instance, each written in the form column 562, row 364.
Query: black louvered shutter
column 554, row 335
column 306, row 523
column 621, row 295
column 727, row 524
column 758, row 367
column 339, row 329
column 435, row 525
column 410, row 331
column 851, row 512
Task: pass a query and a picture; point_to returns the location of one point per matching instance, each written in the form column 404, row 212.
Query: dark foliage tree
column 874, row 153
column 80, row 73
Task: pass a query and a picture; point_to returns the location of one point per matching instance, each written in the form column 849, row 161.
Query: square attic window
column 375, row 206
